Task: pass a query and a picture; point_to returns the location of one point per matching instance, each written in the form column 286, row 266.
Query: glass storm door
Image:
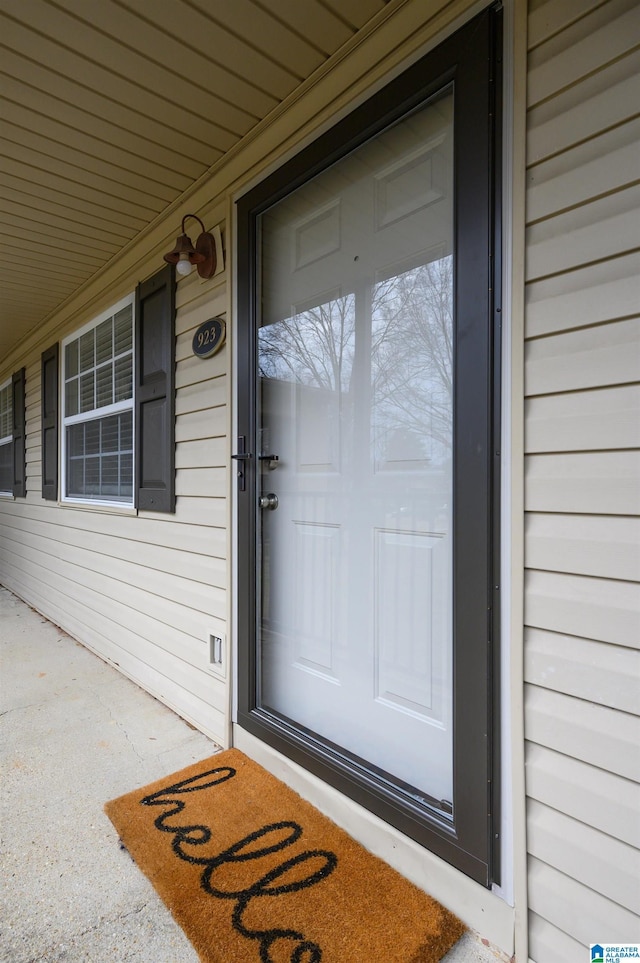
column 355, row 370
column 364, row 457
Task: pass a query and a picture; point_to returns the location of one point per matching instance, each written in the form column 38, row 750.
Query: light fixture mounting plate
column 206, row 246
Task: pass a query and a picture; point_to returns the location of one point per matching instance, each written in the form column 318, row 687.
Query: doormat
column 254, row 874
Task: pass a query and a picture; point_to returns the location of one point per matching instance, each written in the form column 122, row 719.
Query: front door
column 364, row 456
column 354, row 368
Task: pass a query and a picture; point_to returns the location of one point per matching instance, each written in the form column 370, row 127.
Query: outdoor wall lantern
column 185, row 255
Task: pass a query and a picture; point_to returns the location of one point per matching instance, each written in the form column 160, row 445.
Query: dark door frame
column 468, row 837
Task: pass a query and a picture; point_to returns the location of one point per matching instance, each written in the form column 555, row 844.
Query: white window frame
column 7, row 439
column 67, row 421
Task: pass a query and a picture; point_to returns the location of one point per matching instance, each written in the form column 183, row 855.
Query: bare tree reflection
column 411, row 359
column 312, row 348
column 412, row 363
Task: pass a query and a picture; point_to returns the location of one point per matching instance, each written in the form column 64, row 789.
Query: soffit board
column 111, row 109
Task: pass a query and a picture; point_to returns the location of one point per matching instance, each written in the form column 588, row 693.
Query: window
column 98, row 409
column 118, row 417
column 13, row 475
column 6, row 439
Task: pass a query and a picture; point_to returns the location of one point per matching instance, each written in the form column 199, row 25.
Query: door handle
column 241, row 456
column 268, row 500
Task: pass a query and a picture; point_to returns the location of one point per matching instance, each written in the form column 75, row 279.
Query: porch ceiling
column 111, row 109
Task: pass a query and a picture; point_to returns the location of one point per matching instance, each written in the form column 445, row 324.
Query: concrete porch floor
column 75, row 733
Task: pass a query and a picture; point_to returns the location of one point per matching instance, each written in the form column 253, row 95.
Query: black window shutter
column 154, row 392
column 49, row 442
column 19, row 450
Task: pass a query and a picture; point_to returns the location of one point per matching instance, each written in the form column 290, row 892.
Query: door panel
column 412, row 623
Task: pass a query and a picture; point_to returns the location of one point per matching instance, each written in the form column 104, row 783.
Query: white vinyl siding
column 144, row 591
column 582, row 478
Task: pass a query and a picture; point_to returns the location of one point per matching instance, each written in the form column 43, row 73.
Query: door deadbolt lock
column 269, row 500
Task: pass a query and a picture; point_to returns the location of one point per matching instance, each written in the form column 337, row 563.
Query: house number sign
column 209, row 338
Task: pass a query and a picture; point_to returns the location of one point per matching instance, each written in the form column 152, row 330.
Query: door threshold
column 488, row 916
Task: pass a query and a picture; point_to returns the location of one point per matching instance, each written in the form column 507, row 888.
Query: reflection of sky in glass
column 411, row 365
column 312, row 348
column 406, row 351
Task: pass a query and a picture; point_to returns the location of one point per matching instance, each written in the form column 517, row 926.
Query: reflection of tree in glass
column 412, row 363
column 312, row 348
column 410, row 358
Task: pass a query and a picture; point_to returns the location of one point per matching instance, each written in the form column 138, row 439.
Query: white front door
column 354, row 430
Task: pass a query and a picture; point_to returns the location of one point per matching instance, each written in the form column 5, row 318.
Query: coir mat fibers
column 254, row 874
